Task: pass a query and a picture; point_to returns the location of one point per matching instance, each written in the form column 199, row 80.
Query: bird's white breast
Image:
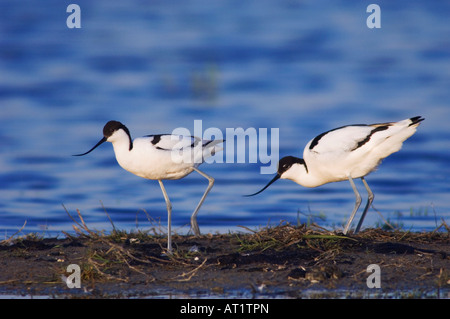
column 147, row 161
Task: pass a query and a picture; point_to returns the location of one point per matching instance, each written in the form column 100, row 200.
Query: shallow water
column 302, row 67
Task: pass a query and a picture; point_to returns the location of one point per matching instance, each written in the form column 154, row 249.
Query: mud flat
column 276, row 262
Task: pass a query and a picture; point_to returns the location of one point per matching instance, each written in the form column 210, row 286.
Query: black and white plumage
column 346, row 153
column 161, row 157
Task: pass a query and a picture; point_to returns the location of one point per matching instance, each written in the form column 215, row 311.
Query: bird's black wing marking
column 156, row 138
column 166, row 142
column 316, row 140
column 367, row 139
column 416, row 119
column 359, row 139
column 169, row 142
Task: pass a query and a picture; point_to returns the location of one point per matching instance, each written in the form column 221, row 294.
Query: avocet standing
column 346, row 153
column 160, row 157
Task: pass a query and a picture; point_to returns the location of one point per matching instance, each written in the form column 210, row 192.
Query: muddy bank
column 279, row 262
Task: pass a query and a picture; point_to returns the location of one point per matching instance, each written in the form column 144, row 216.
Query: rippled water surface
column 303, row 67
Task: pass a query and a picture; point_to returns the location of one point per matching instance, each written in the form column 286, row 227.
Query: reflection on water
column 301, row 67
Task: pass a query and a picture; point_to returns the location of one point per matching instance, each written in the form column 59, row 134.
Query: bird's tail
column 396, row 134
column 415, row 121
column 210, row 147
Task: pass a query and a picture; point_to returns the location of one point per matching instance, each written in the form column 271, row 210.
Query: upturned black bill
column 272, row 181
column 103, row 140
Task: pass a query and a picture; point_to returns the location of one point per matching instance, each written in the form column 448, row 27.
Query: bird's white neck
column 122, row 145
column 121, row 141
column 299, row 174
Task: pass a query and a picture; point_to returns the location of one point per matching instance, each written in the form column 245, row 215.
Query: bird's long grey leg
column 194, row 224
column 169, row 218
column 369, row 202
column 357, row 204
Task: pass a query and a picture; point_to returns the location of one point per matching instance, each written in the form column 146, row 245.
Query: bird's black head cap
column 286, row 162
column 113, row 126
column 108, row 130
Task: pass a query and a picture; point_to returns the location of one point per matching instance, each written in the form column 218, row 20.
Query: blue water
column 301, row 66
